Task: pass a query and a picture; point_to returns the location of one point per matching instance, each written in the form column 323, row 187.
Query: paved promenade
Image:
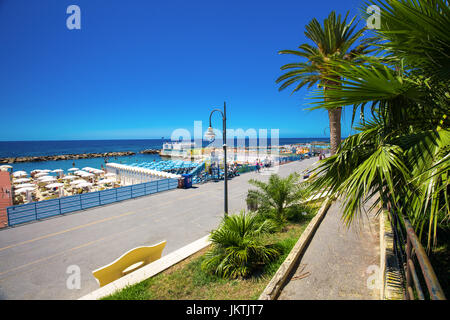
column 335, row 263
column 34, row 258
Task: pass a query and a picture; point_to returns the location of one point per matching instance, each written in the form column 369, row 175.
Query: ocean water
column 45, row 148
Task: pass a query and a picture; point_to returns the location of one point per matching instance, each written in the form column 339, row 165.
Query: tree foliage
column 276, row 196
column 402, row 153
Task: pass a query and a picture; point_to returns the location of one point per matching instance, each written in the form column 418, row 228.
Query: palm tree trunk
column 334, row 116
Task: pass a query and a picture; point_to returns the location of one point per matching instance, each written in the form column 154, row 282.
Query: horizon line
column 125, row 139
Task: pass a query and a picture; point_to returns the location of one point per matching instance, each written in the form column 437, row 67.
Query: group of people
column 232, row 170
column 259, row 164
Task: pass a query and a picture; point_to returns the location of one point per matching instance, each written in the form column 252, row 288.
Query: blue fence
column 291, row 158
column 49, row 208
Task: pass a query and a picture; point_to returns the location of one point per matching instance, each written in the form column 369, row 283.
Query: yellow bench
column 128, row 262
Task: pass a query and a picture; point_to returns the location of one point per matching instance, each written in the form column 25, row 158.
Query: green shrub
column 237, row 247
column 275, row 197
column 299, row 213
column 252, row 202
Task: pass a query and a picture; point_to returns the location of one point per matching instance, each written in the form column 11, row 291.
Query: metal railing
column 409, row 249
column 48, row 208
column 290, row 158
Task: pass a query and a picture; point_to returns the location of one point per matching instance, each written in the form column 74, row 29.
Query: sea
column 46, row 148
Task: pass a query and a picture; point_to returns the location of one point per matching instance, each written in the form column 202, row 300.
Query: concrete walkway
column 35, row 258
column 335, row 263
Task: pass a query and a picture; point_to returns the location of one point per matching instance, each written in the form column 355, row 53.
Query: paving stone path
column 339, row 261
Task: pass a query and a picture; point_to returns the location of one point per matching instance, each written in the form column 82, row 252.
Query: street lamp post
column 211, row 135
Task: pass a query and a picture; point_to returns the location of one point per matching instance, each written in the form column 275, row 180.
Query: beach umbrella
column 46, row 170
column 24, row 190
column 86, row 174
column 68, row 177
column 46, row 178
column 84, row 185
column 77, row 181
column 40, row 174
column 21, row 180
column 27, row 191
column 58, row 170
column 110, row 174
column 19, row 174
column 25, row 185
column 73, row 169
column 54, row 185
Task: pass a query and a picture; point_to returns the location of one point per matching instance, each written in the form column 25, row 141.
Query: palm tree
column 237, row 247
column 402, row 154
column 277, row 195
column 334, row 40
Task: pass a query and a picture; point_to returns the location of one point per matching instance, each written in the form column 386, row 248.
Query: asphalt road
column 35, row 258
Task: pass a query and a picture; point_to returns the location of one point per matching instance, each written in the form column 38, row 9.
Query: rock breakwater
column 66, row 157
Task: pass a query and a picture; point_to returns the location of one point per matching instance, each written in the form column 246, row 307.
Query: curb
column 391, row 273
column 382, row 254
column 149, row 270
column 275, row 285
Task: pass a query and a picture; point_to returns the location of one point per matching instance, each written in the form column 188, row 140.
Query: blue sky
column 140, row 69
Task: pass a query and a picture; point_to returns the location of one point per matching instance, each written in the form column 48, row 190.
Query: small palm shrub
column 277, row 197
column 238, row 249
column 252, row 202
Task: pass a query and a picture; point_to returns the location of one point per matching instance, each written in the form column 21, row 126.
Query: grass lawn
column 186, row 280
